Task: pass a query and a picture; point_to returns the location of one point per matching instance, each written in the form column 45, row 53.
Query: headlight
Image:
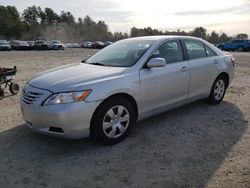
column 69, row 97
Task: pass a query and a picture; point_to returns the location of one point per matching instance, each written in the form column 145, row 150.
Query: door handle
column 184, row 69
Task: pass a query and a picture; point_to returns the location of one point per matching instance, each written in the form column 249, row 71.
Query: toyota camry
column 132, row 79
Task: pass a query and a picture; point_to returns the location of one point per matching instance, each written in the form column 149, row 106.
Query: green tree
column 31, row 15
column 66, row 17
column 224, row 38
column 214, row 37
column 199, row 32
column 10, row 22
column 48, row 16
column 242, row 36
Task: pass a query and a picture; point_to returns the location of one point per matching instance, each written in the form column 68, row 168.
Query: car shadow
column 7, row 95
column 179, row 148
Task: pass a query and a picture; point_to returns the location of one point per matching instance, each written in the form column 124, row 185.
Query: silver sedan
column 130, row 80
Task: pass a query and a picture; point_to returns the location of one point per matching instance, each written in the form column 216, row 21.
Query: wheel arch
column 123, row 95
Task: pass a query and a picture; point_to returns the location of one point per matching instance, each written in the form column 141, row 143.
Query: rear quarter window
column 209, row 52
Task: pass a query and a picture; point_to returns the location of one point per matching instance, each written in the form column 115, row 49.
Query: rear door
column 203, row 65
column 167, row 85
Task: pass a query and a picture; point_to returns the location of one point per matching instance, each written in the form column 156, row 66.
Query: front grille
column 31, row 97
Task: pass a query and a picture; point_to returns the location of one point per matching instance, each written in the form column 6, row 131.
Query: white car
column 87, row 44
column 72, row 45
column 130, row 80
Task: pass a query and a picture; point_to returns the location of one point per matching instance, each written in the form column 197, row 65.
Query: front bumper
column 64, row 120
column 2, row 48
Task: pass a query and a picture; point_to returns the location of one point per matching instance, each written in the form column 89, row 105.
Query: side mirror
column 156, row 62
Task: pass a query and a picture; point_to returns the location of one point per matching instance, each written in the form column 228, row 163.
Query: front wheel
column 14, row 88
column 113, row 120
column 218, row 91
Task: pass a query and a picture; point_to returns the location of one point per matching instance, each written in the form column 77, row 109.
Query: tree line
column 37, row 23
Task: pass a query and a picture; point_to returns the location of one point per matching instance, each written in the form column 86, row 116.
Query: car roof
column 162, row 37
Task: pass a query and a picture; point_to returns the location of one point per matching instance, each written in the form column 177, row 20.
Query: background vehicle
column 41, row 45
column 4, row 45
column 56, row 45
column 19, row 45
column 130, row 80
column 97, row 45
column 239, row 45
column 32, row 45
column 87, row 44
column 72, row 45
column 107, row 43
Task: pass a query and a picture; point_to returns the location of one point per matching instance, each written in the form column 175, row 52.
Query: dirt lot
column 197, row 145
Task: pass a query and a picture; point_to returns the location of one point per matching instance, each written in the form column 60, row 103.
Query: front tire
column 218, row 90
column 113, row 120
column 14, row 88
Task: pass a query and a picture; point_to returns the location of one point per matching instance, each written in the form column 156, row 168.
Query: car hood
column 58, row 44
column 4, row 45
column 74, row 77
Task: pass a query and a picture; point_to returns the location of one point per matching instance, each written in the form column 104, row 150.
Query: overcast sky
column 230, row 16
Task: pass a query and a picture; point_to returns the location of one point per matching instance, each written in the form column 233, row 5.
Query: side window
column 237, row 41
column 210, row 52
column 195, row 49
column 171, row 51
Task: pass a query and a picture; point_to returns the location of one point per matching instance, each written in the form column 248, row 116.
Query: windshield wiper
column 84, row 61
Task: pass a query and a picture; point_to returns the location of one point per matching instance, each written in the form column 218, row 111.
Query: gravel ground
column 197, row 145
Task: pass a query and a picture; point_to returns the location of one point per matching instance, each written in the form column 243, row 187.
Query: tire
column 240, row 49
column 1, row 93
column 218, row 90
column 14, row 88
column 113, row 120
column 221, row 48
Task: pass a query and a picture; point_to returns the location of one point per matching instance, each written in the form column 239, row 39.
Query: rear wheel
column 221, row 48
column 1, row 93
column 218, row 90
column 113, row 120
column 14, row 88
column 240, row 49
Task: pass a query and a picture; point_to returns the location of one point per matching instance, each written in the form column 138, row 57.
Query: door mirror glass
column 156, row 62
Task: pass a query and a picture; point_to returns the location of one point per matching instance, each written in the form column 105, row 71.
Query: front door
column 167, row 85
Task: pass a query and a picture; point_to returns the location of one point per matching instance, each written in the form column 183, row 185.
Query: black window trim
column 144, row 66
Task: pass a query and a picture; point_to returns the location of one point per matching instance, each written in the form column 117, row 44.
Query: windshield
column 23, row 43
column 56, row 42
column 2, row 42
column 124, row 53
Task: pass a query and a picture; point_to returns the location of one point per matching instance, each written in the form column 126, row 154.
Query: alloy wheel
column 219, row 89
column 116, row 121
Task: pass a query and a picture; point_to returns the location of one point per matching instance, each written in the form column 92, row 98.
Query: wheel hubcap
column 219, row 89
column 116, row 121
